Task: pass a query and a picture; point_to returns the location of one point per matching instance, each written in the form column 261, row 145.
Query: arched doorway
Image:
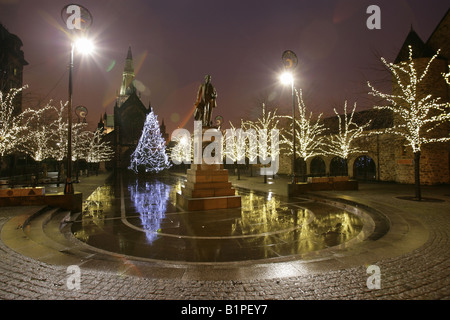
column 338, row 167
column 364, row 168
column 300, row 169
column 318, row 168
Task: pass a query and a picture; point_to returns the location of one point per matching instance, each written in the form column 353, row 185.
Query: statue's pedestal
column 207, row 188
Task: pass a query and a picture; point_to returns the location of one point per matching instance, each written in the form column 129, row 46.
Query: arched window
column 364, row 168
column 318, row 168
column 300, row 168
column 338, row 167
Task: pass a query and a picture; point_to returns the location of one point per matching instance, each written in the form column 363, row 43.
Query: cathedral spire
column 129, row 55
column 127, row 78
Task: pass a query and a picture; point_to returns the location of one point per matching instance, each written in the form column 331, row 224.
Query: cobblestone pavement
column 423, row 273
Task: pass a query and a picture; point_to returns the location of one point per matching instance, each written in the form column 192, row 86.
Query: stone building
column 124, row 126
column 12, row 62
column 387, row 158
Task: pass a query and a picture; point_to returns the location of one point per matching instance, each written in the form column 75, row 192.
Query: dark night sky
column 238, row 42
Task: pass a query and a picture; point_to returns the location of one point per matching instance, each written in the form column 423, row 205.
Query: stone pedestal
column 207, row 188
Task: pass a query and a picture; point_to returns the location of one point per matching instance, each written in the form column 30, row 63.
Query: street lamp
column 78, row 20
column 290, row 61
column 85, row 46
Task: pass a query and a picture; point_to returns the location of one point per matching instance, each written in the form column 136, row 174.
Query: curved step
column 25, row 235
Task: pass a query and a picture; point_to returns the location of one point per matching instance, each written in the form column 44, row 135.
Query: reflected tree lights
column 150, row 201
column 302, row 226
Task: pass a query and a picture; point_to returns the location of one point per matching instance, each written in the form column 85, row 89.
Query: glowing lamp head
column 287, row 78
column 84, row 45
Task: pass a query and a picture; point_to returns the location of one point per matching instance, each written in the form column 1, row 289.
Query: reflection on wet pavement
column 147, row 224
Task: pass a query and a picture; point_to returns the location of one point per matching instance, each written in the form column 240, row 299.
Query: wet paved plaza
column 145, row 222
column 411, row 252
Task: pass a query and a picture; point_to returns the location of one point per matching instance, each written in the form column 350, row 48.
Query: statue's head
column 207, row 78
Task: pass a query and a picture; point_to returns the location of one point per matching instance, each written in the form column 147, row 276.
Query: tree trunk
column 417, row 175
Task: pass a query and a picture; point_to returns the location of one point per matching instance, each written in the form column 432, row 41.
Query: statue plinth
column 207, row 188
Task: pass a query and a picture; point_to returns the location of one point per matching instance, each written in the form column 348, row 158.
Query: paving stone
column 423, row 273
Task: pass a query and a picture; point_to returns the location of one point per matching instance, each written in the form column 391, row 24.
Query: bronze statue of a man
column 206, row 102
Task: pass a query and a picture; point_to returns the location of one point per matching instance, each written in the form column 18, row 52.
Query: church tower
column 128, row 75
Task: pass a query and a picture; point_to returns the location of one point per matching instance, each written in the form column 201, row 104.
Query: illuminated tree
column 340, row 144
column 309, row 133
column 417, row 114
column 259, row 130
column 80, row 141
column 99, row 150
column 36, row 134
column 10, row 124
column 150, row 154
column 235, row 149
column 182, row 151
column 59, row 128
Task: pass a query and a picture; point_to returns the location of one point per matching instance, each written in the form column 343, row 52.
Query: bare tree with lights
column 80, row 141
column 10, row 124
column 341, row 144
column 234, row 147
column 309, row 133
column 418, row 114
column 99, row 149
column 59, row 128
column 36, row 136
column 182, row 150
column 263, row 125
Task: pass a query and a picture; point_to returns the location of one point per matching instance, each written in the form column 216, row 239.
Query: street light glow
column 287, row 78
column 84, row 45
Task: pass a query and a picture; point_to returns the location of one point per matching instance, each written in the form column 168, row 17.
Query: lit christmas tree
column 417, row 113
column 150, row 154
column 340, row 144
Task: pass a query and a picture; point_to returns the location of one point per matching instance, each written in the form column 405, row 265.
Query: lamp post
column 85, row 46
column 290, row 61
column 288, row 79
column 68, row 187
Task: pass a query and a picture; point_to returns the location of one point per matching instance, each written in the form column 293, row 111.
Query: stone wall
column 393, row 160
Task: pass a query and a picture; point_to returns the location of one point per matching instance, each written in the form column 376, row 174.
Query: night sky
column 238, row 42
